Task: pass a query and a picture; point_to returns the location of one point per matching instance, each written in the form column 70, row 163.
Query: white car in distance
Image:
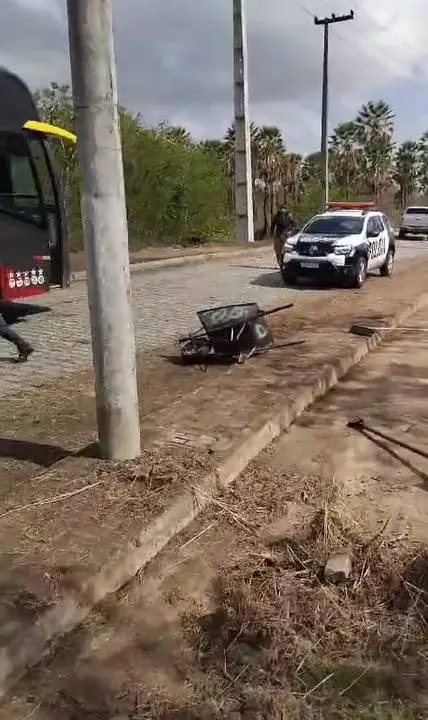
column 414, row 221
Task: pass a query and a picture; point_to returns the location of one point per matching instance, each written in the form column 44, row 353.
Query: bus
column 34, row 251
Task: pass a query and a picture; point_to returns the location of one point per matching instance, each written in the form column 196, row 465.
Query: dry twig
column 53, row 499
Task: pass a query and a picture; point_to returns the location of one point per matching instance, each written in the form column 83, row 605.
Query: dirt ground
column 234, row 620
column 65, row 512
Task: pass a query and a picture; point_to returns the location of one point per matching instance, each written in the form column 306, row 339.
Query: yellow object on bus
column 52, row 130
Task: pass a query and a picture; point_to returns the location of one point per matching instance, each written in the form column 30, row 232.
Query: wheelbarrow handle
column 275, row 309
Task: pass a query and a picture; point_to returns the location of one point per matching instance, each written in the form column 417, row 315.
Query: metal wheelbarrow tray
column 229, row 333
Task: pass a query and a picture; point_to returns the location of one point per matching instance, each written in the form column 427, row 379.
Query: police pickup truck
column 342, row 244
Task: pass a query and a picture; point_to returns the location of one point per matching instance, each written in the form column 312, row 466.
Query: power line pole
column 326, row 22
column 93, row 72
column 244, row 215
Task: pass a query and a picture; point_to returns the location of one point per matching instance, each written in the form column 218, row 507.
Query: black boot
column 24, row 351
column 24, row 348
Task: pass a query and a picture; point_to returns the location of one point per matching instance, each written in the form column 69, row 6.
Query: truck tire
column 388, row 267
column 288, row 276
column 359, row 273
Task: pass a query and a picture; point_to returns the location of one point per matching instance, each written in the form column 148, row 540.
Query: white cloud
column 174, row 58
column 44, row 6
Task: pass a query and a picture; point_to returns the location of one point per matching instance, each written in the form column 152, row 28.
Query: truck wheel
column 401, row 235
column 288, row 276
column 360, row 273
column 388, row 266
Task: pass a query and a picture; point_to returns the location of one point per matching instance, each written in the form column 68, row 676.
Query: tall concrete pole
column 244, row 215
column 324, row 116
column 93, row 71
column 326, row 22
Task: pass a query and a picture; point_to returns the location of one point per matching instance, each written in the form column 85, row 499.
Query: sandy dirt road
column 134, row 657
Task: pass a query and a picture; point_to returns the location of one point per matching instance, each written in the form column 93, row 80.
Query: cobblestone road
column 165, row 303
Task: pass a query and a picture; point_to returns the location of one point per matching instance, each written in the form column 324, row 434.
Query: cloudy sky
column 174, row 60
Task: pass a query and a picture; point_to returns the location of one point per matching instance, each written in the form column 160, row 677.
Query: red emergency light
column 350, row 205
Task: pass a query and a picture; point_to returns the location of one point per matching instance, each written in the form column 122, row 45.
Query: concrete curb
column 173, row 262
column 33, row 644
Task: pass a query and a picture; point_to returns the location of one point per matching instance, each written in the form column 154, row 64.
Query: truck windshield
column 334, row 225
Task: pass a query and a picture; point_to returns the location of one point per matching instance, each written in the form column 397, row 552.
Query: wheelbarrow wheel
column 195, row 349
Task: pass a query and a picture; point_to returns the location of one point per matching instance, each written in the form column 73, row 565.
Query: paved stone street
column 165, row 304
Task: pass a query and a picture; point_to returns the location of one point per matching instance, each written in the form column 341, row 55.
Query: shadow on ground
column 42, row 454
column 274, row 280
column 395, row 405
column 272, row 268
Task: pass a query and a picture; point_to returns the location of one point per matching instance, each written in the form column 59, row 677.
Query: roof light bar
column 350, row 205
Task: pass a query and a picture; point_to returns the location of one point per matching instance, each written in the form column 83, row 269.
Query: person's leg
column 6, row 332
column 277, row 245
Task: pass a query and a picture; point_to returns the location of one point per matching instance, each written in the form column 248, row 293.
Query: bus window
column 19, row 194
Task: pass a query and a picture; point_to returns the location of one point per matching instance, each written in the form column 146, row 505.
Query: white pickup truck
column 414, row 221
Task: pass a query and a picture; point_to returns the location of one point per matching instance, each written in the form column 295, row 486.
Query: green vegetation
column 180, row 191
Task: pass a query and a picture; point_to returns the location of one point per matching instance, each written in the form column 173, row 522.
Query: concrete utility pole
column 244, row 215
column 326, row 22
column 93, row 69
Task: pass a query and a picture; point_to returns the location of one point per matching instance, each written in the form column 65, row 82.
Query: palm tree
column 292, row 176
column 229, row 137
column 229, row 141
column 375, row 129
column 270, row 154
column 312, row 167
column 346, row 156
column 423, row 163
column 406, row 171
column 375, row 118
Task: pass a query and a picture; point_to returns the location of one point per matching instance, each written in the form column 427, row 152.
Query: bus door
column 37, row 134
column 54, row 211
column 25, row 236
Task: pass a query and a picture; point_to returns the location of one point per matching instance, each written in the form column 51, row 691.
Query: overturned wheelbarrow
column 230, row 333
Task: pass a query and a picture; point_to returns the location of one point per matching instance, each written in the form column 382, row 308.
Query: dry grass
column 280, row 643
column 58, row 541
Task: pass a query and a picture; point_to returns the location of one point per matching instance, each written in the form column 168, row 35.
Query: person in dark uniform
column 282, row 224
column 24, row 348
